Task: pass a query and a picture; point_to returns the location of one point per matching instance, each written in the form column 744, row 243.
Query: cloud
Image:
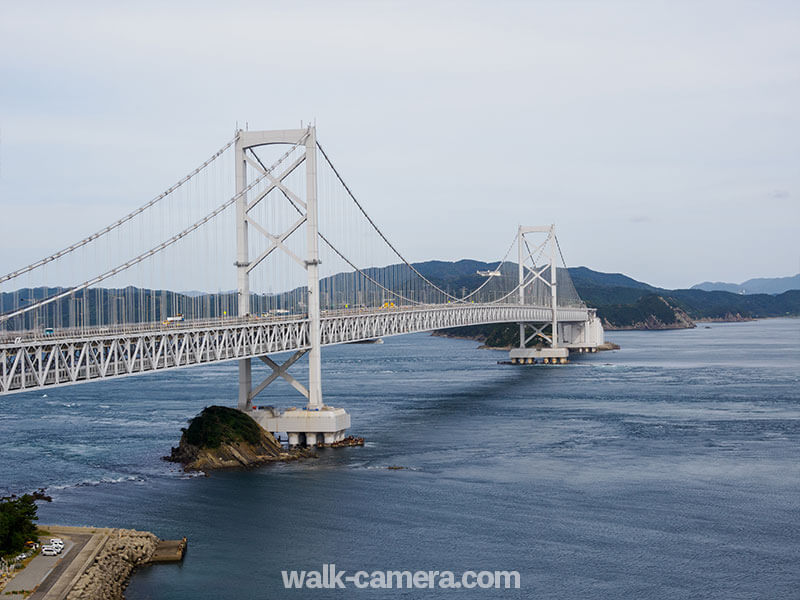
column 482, row 117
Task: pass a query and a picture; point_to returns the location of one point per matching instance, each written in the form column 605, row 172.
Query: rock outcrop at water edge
column 221, row 437
column 107, row 576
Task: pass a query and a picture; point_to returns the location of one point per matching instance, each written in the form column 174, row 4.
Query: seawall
column 105, row 559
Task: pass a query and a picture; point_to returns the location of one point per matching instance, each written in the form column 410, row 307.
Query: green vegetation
column 499, row 335
column 504, row 334
column 584, row 277
column 625, row 307
column 621, row 301
column 218, row 425
column 17, row 521
column 719, row 305
column 624, row 303
column 651, row 308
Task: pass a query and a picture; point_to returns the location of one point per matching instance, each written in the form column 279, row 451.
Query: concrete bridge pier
column 582, row 336
column 528, row 356
column 304, row 426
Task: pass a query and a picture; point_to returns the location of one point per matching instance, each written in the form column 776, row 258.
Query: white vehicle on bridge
column 49, row 551
column 173, row 320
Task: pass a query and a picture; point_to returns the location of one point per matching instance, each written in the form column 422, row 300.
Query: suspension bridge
column 289, row 262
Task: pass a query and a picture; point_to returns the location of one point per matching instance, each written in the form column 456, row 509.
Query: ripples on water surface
column 669, row 469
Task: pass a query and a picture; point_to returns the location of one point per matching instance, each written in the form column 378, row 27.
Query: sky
column 661, row 138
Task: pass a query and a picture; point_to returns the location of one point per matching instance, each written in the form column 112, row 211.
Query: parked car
column 49, row 551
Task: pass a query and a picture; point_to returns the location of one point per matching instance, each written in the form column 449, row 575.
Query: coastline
column 443, row 333
column 97, row 564
column 481, row 338
column 654, row 325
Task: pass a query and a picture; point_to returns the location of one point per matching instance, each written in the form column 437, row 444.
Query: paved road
column 79, row 541
column 43, row 566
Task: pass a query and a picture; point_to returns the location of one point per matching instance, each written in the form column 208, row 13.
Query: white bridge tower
column 547, row 274
column 314, row 423
column 560, row 337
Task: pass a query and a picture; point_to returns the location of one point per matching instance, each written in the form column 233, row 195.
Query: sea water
column 667, row 469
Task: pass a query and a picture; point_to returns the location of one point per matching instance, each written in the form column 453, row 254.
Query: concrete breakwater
column 109, row 572
column 96, row 563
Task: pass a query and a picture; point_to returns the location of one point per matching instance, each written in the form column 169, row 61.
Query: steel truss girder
column 76, row 358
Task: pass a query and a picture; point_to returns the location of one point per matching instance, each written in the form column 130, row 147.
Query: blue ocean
column 669, row 469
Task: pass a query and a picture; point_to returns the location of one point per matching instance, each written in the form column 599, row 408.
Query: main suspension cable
column 566, row 269
column 134, row 261
column 119, row 222
column 561, row 254
column 385, row 239
column 380, row 285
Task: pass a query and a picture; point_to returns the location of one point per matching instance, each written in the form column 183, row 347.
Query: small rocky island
column 221, row 437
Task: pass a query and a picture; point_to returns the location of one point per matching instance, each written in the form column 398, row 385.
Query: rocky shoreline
column 482, row 338
column 651, row 323
column 445, row 334
column 223, row 438
column 110, row 571
column 232, row 455
column 728, row 318
column 683, row 321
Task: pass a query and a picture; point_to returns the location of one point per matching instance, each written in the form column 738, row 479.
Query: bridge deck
column 29, row 360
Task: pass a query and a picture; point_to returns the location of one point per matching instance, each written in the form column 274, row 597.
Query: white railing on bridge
column 32, row 361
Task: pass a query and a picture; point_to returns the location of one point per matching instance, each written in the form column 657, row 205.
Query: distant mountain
column 761, row 285
column 584, row 277
column 637, row 305
column 449, row 271
column 621, row 301
column 718, row 286
column 625, row 303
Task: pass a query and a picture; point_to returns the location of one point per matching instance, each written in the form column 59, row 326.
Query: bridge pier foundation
column 304, row 426
column 529, row 356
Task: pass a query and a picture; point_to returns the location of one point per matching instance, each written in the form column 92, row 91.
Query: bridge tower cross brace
column 526, row 254
column 245, row 141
